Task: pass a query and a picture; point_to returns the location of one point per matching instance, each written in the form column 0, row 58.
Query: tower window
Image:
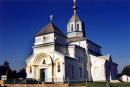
column 58, row 67
column 77, row 27
column 72, row 27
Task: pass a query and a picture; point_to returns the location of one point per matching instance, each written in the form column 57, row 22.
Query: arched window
column 30, row 69
column 58, row 67
column 77, row 27
column 44, row 62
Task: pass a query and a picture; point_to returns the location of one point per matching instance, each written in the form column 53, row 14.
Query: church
column 58, row 57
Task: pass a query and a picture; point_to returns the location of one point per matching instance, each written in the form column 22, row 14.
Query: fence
column 46, row 80
column 72, row 83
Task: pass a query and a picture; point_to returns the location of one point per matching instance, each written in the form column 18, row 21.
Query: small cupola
column 75, row 27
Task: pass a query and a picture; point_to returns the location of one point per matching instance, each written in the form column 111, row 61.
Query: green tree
column 6, row 70
column 6, row 65
column 22, row 73
column 126, row 70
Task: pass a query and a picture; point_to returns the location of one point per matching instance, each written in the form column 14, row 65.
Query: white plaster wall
column 81, row 43
column 29, row 63
column 71, row 51
column 45, row 49
column 97, row 68
column 48, row 38
column 125, row 78
column 58, row 76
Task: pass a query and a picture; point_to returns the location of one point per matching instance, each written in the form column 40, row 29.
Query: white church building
column 58, row 57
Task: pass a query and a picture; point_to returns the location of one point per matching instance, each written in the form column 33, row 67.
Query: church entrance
column 42, row 74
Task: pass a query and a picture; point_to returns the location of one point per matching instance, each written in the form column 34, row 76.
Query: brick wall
column 37, row 85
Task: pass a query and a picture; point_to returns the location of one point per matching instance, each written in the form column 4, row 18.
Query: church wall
column 80, row 55
column 35, row 70
column 97, row 69
column 107, row 69
column 113, row 71
column 48, row 38
column 71, row 51
column 29, row 75
column 59, row 70
column 45, row 49
column 29, row 68
column 72, row 70
column 80, row 43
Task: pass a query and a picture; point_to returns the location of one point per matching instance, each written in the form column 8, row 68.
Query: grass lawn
column 101, row 84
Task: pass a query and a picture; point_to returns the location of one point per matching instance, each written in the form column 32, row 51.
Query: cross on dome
column 74, row 7
column 51, row 18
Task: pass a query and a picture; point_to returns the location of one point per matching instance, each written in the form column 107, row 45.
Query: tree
column 6, row 68
column 11, row 74
column 6, row 65
column 126, row 70
column 22, row 73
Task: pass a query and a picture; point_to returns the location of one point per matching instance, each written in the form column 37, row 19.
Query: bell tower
column 75, row 27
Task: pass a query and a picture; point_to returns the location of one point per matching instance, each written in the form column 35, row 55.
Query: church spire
column 75, row 27
column 75, row 7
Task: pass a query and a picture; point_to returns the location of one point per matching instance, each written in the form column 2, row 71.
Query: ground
column 101, row 84
column 85, row 84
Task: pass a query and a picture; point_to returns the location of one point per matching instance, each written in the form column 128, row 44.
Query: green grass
column 120, row 85
column 101, row 84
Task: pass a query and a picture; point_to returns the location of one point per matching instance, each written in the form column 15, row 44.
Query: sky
column 107, row 22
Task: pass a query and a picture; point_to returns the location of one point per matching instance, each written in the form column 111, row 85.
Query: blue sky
column 107, row 23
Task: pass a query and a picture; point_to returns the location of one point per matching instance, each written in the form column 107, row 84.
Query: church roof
column 106, row 57
column 50, row 28
column 74, row 39
column 74, row 18
column 93, row 43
